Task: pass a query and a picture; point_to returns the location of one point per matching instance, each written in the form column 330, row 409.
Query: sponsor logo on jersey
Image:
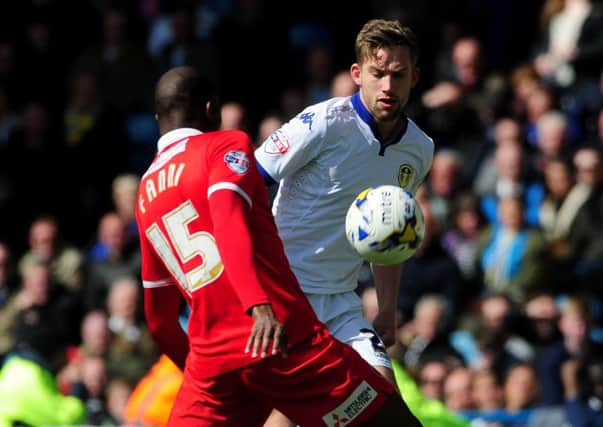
column 276, row 144
column 237, row 161
column 353, row 406
column 405, row 174
column 307, row 119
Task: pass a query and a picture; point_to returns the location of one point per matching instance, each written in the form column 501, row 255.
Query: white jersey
column 322, row 159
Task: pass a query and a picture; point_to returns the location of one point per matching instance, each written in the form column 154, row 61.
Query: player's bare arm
column 387, row 282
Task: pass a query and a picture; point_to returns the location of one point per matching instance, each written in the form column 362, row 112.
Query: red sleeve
column 229, row 212
column 232, row 163
column 162, row 301
column 162, row 308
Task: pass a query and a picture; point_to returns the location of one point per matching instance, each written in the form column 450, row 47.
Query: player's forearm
column 236, row 249
column 387, row 284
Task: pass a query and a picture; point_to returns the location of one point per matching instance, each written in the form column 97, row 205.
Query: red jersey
column 176, row 218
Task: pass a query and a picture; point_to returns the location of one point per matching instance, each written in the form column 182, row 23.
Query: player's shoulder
column 328, row 111
column 339, row 109
column 417, row 134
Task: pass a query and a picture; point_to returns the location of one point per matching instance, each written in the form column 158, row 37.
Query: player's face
column 385, row 81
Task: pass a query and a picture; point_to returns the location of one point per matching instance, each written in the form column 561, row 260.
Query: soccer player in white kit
column 322, row 158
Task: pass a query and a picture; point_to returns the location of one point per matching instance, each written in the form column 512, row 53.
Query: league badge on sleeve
column 277, row 144
column 237, row 161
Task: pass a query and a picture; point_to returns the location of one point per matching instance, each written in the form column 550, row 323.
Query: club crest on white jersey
column 322, row 158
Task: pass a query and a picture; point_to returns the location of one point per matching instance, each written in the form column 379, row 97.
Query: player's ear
column 415, row 76
column 355, row 73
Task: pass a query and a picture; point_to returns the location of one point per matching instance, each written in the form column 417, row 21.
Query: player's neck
column 392, row 130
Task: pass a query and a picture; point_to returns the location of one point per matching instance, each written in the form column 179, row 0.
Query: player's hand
column 385, row 326
column 265, row 329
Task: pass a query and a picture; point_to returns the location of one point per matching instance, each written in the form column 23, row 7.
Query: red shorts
column 322, row 382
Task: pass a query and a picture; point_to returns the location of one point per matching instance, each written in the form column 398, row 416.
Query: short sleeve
column 293, row 145
column 427, row 160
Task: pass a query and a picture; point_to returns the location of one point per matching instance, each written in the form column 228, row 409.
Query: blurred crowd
column 501, row 309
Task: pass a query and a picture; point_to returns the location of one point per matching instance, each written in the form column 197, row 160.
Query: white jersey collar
column 175, row 135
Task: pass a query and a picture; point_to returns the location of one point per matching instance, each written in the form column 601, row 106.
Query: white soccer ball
column 385, row 225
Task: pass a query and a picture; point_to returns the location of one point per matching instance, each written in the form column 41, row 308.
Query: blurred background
column 499, row 311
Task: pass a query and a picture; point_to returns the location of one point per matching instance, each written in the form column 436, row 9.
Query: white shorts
column 342, row 313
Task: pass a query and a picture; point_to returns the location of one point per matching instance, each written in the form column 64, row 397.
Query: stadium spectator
column 461, row 239
column 94, row 342
column 342, row 84
column 431, row 376
column 581, row 264
column 124, row 188
column 570, row 48
column 575, row 324
column 443, row 183
column 233, row 116
column 511, row 179
column 131, row 350
column 268, row 125
column 562, row 202
column 487, row 391
column 46, row 243
column 512, row 255
column 40, row 315
column 108, row 259
column 552, row 140
column 542, row 315
column 489, row 341
column 93, row 379
column 583, row 391
column 539, row 101
column 520, row 388
column 457, row 389
column 464, row 101
column 425, row 338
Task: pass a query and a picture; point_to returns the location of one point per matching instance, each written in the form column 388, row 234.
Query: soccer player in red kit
column 253, row 341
